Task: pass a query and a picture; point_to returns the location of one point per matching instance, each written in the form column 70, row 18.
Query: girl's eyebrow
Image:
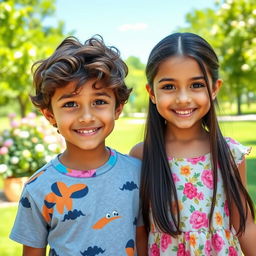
column 172, row 79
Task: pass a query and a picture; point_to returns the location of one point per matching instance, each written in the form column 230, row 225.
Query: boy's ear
column 118, row 111
column 48, row 115
column 216, row 88
column 151, row 93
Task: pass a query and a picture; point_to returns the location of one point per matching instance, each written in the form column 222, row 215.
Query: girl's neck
column 84, row 159
column 187, row 143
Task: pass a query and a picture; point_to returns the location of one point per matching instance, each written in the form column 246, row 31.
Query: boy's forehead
column 93, row 86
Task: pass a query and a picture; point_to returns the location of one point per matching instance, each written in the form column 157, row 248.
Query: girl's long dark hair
column 158, row 191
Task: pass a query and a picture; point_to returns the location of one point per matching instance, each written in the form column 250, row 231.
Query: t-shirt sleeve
column 238, row 150
column 29, row 227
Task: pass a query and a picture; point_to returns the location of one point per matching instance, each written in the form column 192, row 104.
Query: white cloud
column 134, row 27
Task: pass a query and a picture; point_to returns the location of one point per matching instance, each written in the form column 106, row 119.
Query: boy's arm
column 248, row 238
column 141, row 241
column 30, row 251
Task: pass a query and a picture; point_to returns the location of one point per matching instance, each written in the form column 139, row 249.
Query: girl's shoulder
column 237, row 149
column 137, row 151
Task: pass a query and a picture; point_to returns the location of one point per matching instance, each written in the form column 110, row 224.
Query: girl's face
column 84, row 118
column 180, row 92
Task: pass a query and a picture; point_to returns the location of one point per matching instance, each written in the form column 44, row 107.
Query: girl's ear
column 49, row 116
column 118, row 111
column 216, row 88
column 151, row 93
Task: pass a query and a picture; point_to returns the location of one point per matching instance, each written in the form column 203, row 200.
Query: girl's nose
column 183, row 97
column 86, row 115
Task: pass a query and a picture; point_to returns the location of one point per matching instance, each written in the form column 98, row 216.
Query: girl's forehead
column 180, row 67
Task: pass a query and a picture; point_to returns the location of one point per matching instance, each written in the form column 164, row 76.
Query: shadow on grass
column 251, row 177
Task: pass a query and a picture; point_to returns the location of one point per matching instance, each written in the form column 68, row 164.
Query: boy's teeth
column 184, row 112
column 87, row 131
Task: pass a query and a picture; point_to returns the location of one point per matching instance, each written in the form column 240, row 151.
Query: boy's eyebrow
column 73, row 94
column 172, row 79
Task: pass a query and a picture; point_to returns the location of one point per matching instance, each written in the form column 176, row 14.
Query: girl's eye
column 70, row 104
column 197, row 85
column 99, row 102
column 168, row 87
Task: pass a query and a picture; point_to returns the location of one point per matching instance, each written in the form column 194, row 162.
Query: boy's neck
column 85, row 159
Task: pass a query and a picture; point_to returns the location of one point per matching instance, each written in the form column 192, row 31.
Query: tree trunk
column 22, row 106
column 238, row 99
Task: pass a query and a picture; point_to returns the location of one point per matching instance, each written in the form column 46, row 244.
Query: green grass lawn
column 127, row 133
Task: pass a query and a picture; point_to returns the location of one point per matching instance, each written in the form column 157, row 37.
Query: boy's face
column 86, row 117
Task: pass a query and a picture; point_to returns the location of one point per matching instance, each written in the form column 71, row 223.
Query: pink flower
column 154, row 250
column 200, row 196
column 175, row 177
column 217, row 242
column 226, row 210
column 190, row 190
column 195, row 160
column 198, row 219
column 3, row 150
column 232, row 141
column 207, row 178
column 8, row 142
column 187, row 236
column 165, row 241
column 232, row 251
column 181, row 251
column 208, row 248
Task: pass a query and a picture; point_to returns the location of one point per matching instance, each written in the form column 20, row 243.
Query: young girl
column 193, row 179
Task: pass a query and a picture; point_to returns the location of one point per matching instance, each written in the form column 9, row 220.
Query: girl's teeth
column 185, row 112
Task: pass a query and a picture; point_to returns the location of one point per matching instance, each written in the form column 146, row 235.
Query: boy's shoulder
column 128, row 160
column 42, row 173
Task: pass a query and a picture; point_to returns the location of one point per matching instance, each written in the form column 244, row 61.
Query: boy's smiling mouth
column 87, row 131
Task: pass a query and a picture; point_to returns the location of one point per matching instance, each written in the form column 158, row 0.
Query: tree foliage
column 231, row 29
column 23, row 40
column 136, row 79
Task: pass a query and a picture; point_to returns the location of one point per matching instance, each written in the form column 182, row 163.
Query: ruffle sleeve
column 237, row 149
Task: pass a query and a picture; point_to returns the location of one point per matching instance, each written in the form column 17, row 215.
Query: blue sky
column 133, row 26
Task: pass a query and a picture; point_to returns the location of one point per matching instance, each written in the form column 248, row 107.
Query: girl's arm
column 248, row 238
column 141, row 241
column 137, row 151
column 31, row 251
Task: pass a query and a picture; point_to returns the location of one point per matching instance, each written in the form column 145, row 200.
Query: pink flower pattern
column 165, row 241
column 198, row 220
column 196, row 160
column 207, row 178
column 190, row 190
column 194, row 192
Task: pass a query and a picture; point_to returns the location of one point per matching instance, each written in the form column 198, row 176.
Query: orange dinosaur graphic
column 101, row 223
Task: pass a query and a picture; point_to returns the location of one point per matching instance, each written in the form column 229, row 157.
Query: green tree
column 231, row 29
column 23, row 40
column 136, row 79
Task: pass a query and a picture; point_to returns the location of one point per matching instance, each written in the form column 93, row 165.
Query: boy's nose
column 86, row 115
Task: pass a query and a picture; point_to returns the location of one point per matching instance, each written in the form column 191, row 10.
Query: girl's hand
column 31, row 251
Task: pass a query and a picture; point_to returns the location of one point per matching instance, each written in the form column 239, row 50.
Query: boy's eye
column 168, row 87
column 99, row 102
column 197, row 85
column 70, row 104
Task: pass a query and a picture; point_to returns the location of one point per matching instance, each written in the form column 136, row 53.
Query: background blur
column 31, row 29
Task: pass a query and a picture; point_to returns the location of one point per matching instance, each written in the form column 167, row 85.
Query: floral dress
column 194, row 183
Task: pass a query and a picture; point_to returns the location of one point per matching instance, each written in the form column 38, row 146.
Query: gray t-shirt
column 84, row 213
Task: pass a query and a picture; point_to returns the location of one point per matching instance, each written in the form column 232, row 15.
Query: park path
column 4, row 202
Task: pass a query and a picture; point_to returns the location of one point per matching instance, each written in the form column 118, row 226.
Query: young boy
column 86, row 200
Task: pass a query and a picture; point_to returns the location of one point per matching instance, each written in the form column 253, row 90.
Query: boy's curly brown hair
column 74, row 61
